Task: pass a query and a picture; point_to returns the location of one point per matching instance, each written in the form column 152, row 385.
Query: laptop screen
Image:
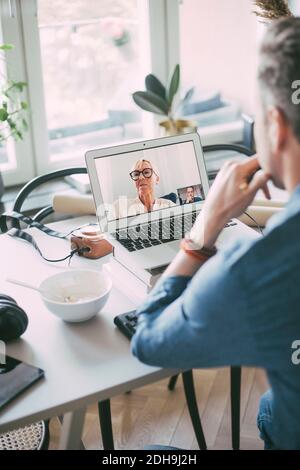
column 148, row 180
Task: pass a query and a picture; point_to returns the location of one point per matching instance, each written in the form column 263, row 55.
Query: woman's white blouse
column 129, row 207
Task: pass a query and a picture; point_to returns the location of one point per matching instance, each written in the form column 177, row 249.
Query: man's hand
column 231, row 193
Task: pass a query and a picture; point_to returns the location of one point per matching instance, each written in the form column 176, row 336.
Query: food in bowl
column 76, row 295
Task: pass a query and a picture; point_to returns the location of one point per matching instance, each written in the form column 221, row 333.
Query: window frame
column 22, row 168
column 20, row 27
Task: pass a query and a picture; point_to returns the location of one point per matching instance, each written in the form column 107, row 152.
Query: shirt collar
column 291, row 208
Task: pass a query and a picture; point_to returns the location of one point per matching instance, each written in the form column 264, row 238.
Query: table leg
column 235, row 395
column 72, row 425
column 172, row 382
column 105, row 424
column 189, row 389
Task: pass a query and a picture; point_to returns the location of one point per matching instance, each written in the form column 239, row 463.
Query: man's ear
column 277, row 129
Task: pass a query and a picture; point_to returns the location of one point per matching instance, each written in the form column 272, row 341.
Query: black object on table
column 15, row 377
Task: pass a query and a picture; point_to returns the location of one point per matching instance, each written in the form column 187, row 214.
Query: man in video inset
column 190, row 196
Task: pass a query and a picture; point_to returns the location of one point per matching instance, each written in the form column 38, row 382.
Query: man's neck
column 291, row 180
column 291, row 167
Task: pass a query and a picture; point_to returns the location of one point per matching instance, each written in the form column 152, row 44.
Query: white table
column 84, row 363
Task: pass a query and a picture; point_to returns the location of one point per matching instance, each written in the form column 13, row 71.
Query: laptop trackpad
column 156, row 256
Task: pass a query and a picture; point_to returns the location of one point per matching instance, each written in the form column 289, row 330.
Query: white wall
column 295, row 7
column 219, row 47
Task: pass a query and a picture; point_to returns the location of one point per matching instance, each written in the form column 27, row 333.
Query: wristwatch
column 192, row 249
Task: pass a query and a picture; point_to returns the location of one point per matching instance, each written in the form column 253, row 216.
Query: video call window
column 147, row 180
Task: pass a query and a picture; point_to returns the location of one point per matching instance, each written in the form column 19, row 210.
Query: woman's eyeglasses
column 146, row 172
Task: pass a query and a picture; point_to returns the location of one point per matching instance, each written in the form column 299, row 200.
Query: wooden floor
column 154, row 415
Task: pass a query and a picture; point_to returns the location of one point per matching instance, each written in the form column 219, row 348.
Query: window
column 82, row 60
column 16, row 158
column 89, row 62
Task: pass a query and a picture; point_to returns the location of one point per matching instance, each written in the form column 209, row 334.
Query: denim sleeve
column 196, row 323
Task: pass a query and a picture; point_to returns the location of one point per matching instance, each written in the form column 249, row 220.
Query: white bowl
column 76, row 295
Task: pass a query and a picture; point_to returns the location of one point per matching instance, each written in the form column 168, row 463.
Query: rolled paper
column 74, row 204
column 261, row 214
column 269, row 203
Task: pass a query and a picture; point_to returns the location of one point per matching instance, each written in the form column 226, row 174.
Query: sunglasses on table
column 146, row 172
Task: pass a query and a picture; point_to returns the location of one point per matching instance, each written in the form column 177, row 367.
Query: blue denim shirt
column 241, row 308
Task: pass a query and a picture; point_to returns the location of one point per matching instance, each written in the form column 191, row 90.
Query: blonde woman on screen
column 145, row 177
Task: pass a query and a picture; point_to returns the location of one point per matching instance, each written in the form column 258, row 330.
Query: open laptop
column 149, row 240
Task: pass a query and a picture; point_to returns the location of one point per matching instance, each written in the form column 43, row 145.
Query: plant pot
column 1, row 187
column 180, row 126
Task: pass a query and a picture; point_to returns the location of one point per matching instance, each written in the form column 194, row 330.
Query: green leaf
column 174, row 85
column 19, row 85
column 154, row 84
column 149, row 101
column 25, row 125
column 6, row 47
column 24, row 105
column 3, row 114
column 11, row 123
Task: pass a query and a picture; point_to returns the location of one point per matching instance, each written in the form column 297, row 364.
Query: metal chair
column 241, row 149
column 31, row 186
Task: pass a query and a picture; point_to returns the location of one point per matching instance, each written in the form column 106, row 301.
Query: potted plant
column 272, row 9
column 160, row 99
column 13, row 109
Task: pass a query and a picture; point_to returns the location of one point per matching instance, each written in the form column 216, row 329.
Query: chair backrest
column 171, row 197
column 35, row 183
column 241, row 149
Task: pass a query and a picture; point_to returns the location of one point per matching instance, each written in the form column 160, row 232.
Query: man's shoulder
column 276, row 251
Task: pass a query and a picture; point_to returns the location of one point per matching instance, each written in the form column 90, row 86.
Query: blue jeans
column 265, row 419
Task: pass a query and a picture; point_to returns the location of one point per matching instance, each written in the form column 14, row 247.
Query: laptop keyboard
column 157, row 232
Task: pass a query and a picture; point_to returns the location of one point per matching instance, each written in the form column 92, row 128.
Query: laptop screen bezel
column 92, row 155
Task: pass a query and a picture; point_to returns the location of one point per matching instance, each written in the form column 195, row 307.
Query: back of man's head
column 279, row 69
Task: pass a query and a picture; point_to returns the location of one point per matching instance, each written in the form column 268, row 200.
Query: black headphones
column 13, row 319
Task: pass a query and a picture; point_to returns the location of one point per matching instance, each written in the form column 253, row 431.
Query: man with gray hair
column 241, row 305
